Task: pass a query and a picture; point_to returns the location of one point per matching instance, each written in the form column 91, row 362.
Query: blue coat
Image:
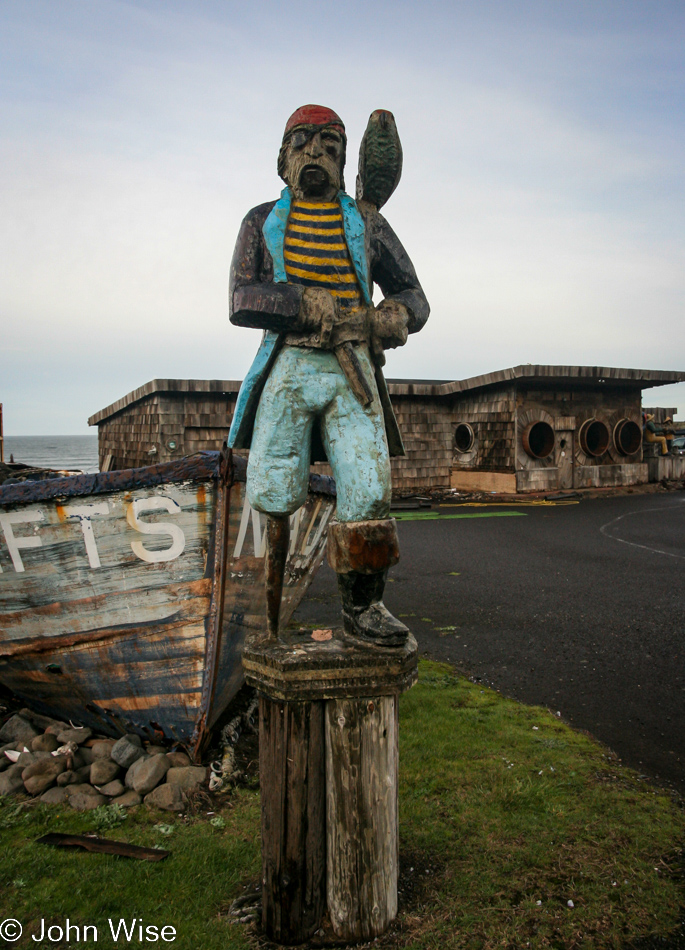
column 261, row 297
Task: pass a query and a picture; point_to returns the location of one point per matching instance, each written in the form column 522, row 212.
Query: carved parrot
column 380, row 159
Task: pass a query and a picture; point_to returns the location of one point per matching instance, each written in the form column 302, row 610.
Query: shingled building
column 528, row 428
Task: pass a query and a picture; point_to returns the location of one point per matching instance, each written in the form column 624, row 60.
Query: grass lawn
column 506, row 813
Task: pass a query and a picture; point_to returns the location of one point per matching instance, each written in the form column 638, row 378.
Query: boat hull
column 125, row 597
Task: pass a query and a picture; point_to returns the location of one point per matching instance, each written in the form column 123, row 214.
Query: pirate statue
column 303, row 272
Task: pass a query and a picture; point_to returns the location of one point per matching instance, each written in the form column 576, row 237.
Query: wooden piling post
column 328, row 770
column 291, row 760
column 362, row 818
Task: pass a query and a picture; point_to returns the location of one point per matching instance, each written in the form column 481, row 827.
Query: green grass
column 501, row 806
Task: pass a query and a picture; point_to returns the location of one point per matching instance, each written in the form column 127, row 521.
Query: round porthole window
column 594, row 437
column 172, row 445
column 627, row 436
column 464, row 437
column 538, row 439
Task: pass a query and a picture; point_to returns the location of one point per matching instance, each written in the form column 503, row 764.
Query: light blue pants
column 307, row 387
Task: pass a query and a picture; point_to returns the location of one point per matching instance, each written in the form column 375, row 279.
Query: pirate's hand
column 318, row 309
column 389, row 323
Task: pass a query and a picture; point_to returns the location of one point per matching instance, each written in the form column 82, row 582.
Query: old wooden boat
column 125, row 597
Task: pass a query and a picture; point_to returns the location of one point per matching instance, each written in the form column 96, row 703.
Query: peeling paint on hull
column 125, row 597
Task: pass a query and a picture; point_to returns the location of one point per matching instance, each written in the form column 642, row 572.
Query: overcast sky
column 541, row 200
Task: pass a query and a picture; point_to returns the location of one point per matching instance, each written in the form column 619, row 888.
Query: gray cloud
column 543, row 165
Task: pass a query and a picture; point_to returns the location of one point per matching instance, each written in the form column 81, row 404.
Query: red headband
column 314, row 115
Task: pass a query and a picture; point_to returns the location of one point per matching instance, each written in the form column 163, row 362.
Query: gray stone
column 4, row 761
column 188, row 777
column 168, row 797
column 18, row 729
column 69, row 778
column 41, row 775
column 43, row 723
column 126, row 750
column 82, row 789
column 82, row 802
column 113, row 789
column 44, row 743
column 79, row 736
column 135, row 739
column 11, row 780
column 103, row 771
column 178, row 759
column 54, row 796
column 86, row 755
column 102, row 748
column 30, row 758
column 156, row 750
column 146, row 773
column 84, row 773
column 128, row 799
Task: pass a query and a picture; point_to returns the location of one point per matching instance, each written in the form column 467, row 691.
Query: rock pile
column 61, row 764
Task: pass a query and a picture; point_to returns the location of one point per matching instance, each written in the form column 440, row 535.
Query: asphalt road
column 577, row 607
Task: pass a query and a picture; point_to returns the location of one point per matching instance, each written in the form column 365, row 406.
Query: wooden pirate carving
column 303, row 271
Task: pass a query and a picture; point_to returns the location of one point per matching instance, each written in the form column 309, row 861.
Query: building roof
column 583, row 376
column 166, row 386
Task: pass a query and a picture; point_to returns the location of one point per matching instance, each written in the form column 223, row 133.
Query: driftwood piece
column 103, row 846
column 362, row 818
column 291, row 763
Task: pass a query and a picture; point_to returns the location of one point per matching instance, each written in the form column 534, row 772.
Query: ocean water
column 73, row 452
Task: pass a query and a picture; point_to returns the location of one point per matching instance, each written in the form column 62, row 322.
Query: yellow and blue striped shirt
column 316, row 254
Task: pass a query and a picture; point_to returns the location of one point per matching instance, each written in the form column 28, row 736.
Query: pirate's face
column 313, row 162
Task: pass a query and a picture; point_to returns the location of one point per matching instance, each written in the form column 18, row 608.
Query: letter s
column 141, row 505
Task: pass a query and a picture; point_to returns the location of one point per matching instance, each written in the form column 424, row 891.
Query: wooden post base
column 328, row 737
column 291, row 759
column 361, row 815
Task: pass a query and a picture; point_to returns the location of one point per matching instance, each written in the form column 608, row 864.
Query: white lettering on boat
column 14, row 544
column 84, row 513
column 144, row 505
column 304, row 546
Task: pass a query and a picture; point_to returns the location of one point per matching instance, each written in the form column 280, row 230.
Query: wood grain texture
column 292, row 769
column 125, row 598
column 361, row 815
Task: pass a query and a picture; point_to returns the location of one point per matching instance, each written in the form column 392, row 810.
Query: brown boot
column 360, row 552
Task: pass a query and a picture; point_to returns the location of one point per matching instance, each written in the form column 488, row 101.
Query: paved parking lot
column 578, row 607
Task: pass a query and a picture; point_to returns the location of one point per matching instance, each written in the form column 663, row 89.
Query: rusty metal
column 594, row 437
column 538, row 439
column 627, row 437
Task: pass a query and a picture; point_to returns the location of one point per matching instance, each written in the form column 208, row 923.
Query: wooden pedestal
column 329, row 770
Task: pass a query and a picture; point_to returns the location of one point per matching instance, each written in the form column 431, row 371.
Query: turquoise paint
column 435, row 516
column 273, row 230
column 249, row 391
column 353, row 224
column 308, row 388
